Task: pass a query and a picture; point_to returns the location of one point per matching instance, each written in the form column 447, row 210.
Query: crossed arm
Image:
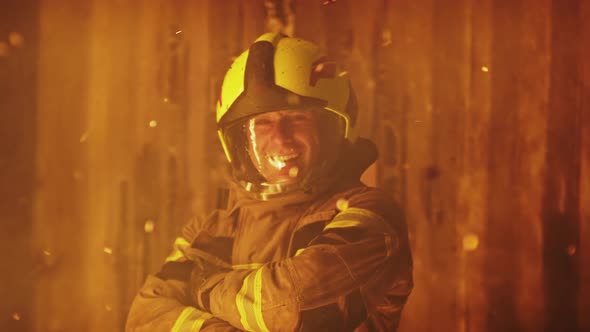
column 354, row 249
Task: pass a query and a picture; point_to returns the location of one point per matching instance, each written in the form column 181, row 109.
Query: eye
column 262, row 122
column 261, row 125
column 300, row 117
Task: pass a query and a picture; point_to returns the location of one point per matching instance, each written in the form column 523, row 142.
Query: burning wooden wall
column 479, row 108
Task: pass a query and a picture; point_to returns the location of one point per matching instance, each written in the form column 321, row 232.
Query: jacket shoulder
column 363, row 197
column 218, row 222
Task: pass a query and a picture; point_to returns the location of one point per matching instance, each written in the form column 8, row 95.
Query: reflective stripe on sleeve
column 250, row 266
column 190, row 320
column 249, row 302
column 342, row 224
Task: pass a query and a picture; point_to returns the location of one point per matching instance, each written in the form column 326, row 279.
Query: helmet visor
column 283, row 151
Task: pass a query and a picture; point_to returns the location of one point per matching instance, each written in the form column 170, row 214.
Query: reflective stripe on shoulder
column 178, row 253
column 249, row 302
column 190, row 320
column 357, row 217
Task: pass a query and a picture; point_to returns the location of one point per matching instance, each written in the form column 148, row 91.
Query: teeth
column 279, row 161
column 284, row 158
column 287, row 157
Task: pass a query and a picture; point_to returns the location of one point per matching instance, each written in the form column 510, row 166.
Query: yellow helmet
column 295, row 72
column 283, row 73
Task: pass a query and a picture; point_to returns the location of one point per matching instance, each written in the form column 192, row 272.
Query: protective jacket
column 333, row 260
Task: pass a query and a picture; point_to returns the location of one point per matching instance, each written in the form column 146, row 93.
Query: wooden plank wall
column 479, row 109
column 18, row 109
column 59, row 226
column 584, row 249
column 112, row 154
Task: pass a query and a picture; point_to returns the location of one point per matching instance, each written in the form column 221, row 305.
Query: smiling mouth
column 280, row 161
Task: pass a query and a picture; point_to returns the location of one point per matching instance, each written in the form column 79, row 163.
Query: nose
column 283, row 131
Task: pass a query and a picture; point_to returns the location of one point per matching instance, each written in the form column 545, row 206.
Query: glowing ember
column 153, row 123
column 470, row 242
column 342, row 204
column 571, row 250
column 84, row 137
column 386, row 37
column 293, row 171
column 16, row 39
column 149, row 226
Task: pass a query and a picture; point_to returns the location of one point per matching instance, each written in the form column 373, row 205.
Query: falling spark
column 84, row 137
column 293, row 172
column 48, row 258
column 386, row 37
column 571, row 250
column 470, row 242
column 149, row 226
column 16, row 39
column 342, row 204
column 16, row 316
column 178, row 32
column 108, row 250
column 327, row 2
column 485, row 69
column 153, row 123
column 342, row 73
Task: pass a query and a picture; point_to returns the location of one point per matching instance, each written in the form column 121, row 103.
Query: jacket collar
column 354, row 160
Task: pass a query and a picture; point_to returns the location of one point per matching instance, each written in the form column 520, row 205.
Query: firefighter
column 303, row 245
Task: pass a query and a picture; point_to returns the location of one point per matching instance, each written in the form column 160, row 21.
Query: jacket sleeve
column 162, row 303
column 359, row 246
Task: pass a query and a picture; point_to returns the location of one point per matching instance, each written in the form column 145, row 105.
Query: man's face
column 283, row 144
